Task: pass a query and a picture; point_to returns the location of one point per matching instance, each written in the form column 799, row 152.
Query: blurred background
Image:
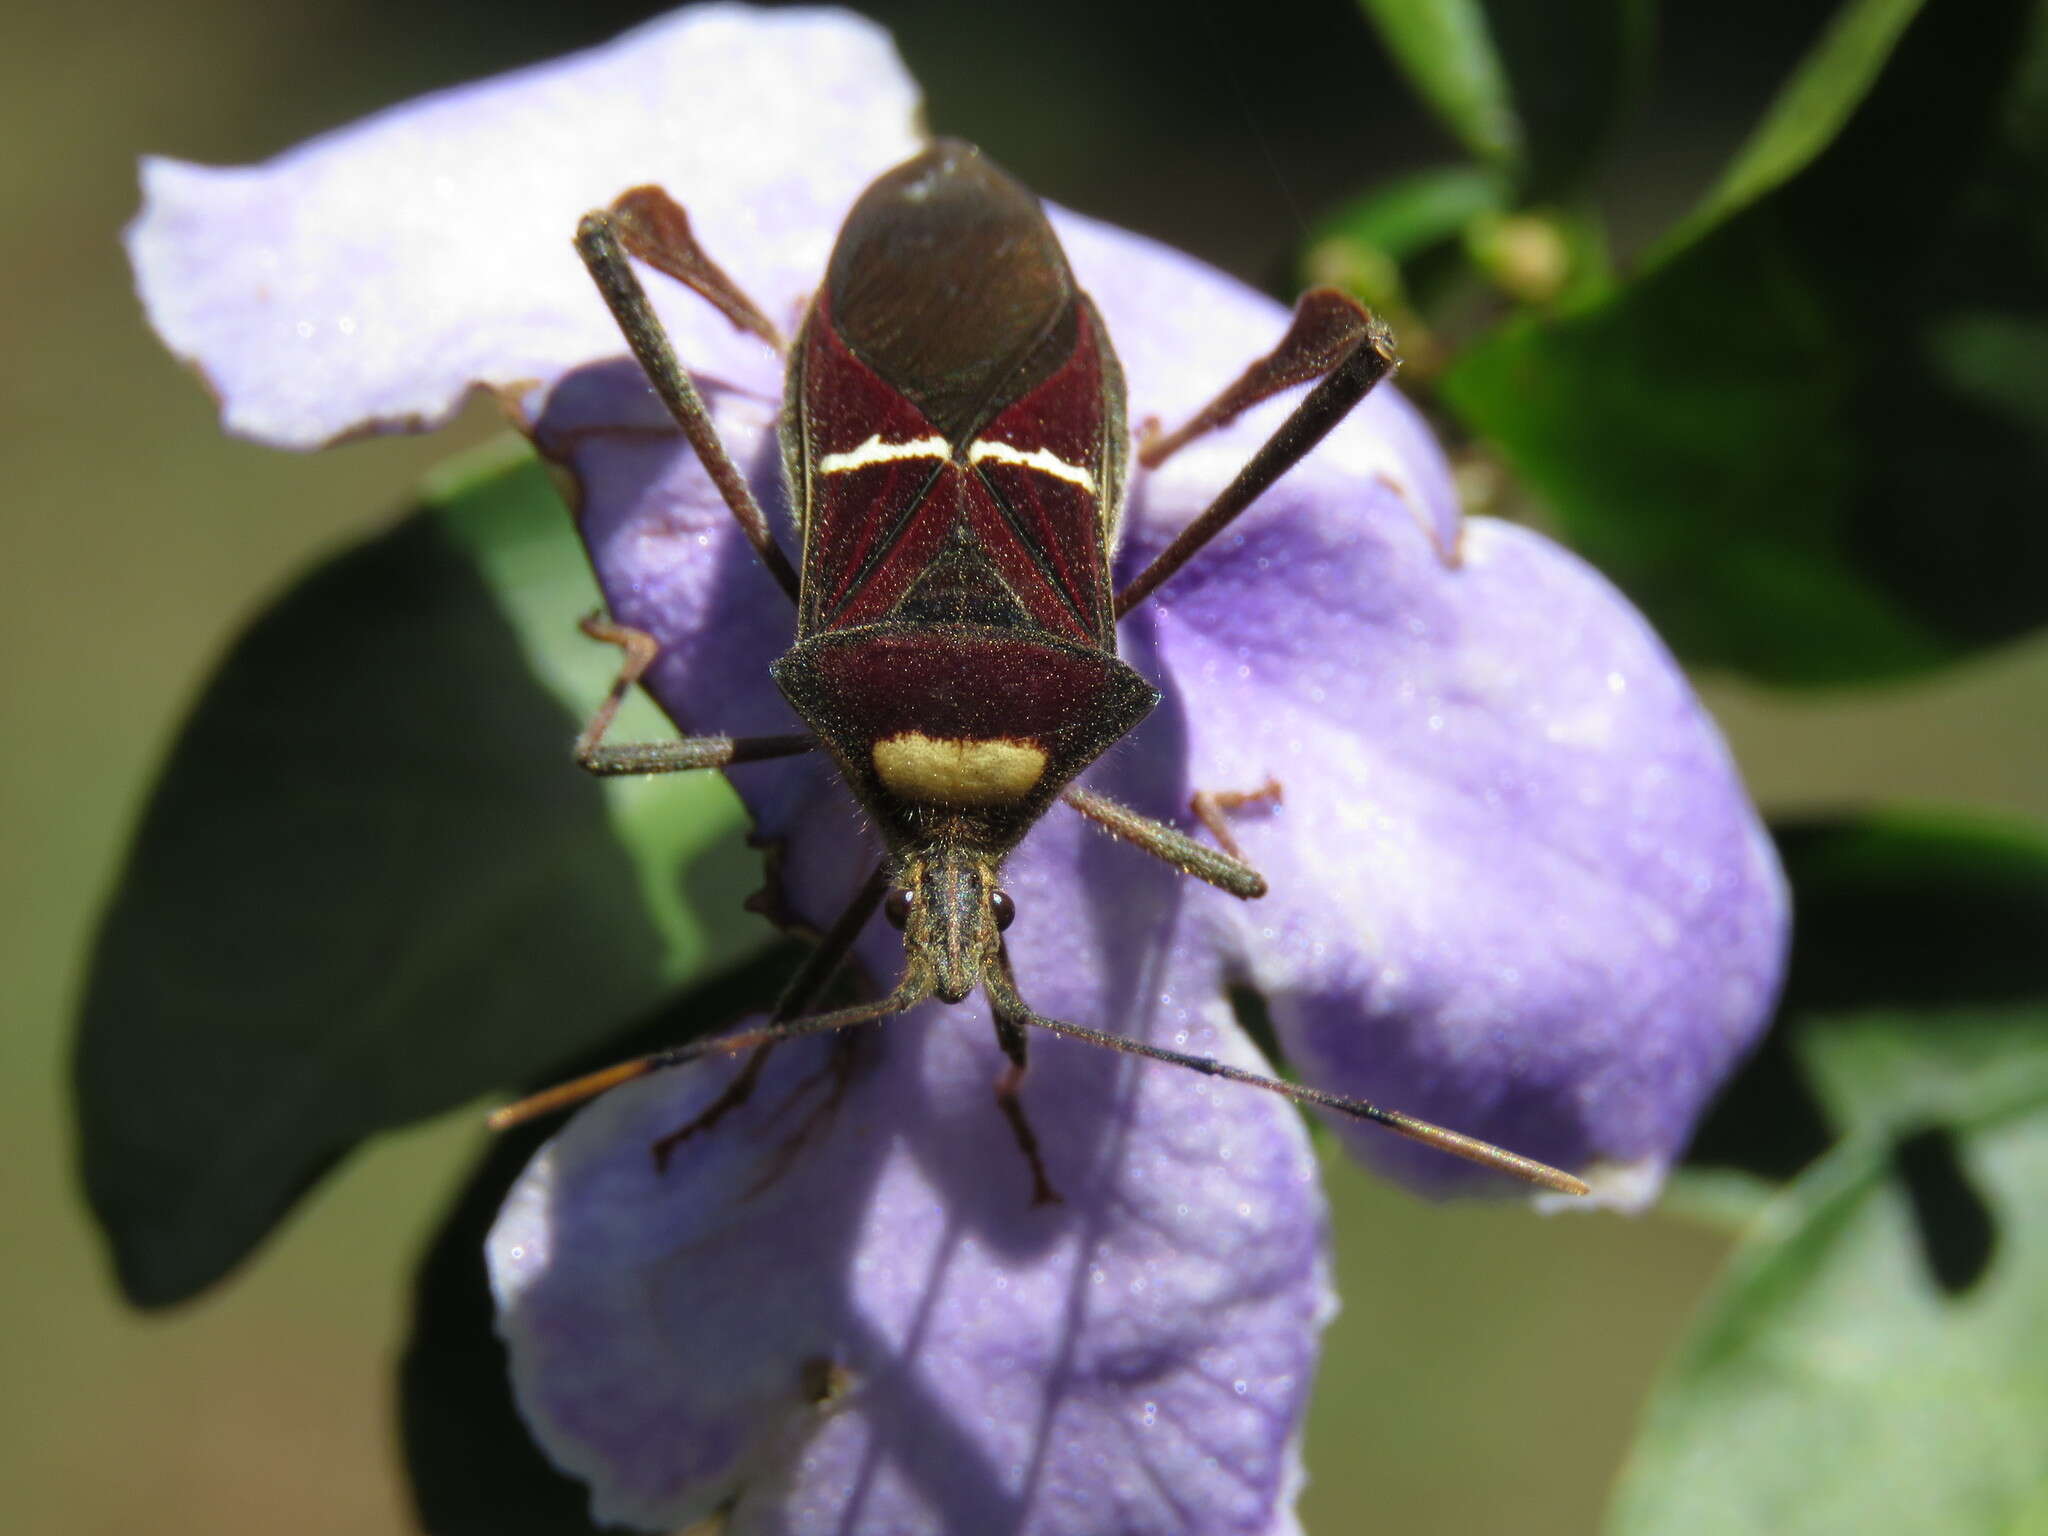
column 1488, row 1366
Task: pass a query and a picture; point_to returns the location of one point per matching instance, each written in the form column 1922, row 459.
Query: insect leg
column 653, row 226
column 811, row 979
column 600, row 242
column 662, row 756
column 1333, row 338
column 786, row 1024
column 1012, row 1039
column 1225, row 871
column 1213, row 807
column 730, row 1098
column 1327, row 327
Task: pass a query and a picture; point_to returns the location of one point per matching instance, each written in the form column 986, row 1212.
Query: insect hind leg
column 730, row 1098
column 810, row 981
column 1334, row 339
column 654, row 227
column 602, row 239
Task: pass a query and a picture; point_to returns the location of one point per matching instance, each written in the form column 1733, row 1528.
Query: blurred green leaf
column 1938, row 913
column 1808, row 112
column 1839, row 1381
column 1573, row 68
column 370, row 884
column 1396, row 247
column 1447, row 51
column 1533, row 91
column 475, row 1471
column 1893, row 1070
column 1921, row 908
column 1809, row 443
column 1874, row 1358
column 1403, row 218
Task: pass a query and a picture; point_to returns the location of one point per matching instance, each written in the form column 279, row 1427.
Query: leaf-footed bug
column 955, row 443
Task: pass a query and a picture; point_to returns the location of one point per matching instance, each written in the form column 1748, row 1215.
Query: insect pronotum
column 955, row 444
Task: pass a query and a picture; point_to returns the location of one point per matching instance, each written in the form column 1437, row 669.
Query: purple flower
column 1517, row 887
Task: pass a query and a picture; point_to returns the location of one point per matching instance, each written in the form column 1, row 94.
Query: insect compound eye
column 897, row 909
column 1004, row 909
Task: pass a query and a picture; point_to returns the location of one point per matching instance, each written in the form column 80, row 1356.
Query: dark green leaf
column 1573, row 66
column 1811, row 109
column 370, row 885
column 1398, row 248
column 1402, row 219
column 1532, row 90
column 1811, row 441
column 1447, row 51
column 474, row 1469
column 1841, row 1380
column 1916, row 908
column 1894, row 910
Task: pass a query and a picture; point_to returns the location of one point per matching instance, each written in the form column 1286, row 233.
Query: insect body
column 955, row 440
column 955, row 444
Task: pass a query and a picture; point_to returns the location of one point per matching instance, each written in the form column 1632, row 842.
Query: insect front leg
column 602, row 240
column 1334, row 338
column 662, row 756
column 1226, row 871
column 804, row 989
column 1010, row 1037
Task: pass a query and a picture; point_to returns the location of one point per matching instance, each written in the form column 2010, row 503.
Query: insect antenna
column 1001, row 986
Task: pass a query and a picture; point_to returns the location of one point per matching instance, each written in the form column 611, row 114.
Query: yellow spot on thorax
column 921, row 767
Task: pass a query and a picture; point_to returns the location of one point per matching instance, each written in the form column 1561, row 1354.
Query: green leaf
column 1402, row 219
column 1893, row 1070
column 1928, row 909
column 370, row 885
column 1836, row 1381
column 1573, row 68
column 1876, row 1357
column 1811, row 442
column 474, row 1469
column 1533, row 91
column 1396, row 247
column 1447, row 50
column 1811, row 109
column 1934, row 912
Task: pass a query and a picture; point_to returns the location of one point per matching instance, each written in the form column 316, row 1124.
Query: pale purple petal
column 367, row 280
column 1518, row 887
column 1135, row 1360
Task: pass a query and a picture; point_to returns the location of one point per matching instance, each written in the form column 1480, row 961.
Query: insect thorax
column 964, row 729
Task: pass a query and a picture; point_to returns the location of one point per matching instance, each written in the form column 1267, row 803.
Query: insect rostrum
column 955, row 442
